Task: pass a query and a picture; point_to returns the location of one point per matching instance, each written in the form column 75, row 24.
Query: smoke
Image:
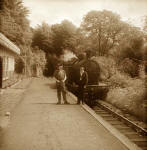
column 67, row 56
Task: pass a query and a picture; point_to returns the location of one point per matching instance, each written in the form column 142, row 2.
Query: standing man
column 82, row 84
column 60, row 76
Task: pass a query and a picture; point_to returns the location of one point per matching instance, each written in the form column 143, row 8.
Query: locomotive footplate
column 91, row 93
column 95, row 92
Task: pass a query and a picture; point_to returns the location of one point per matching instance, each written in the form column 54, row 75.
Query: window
column 5, row 68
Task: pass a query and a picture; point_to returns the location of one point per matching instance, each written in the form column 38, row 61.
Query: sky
column 54, row 11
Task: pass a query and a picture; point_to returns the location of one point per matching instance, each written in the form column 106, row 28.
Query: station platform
column 37, row 123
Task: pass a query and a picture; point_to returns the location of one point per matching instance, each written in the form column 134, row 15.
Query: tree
column 133, row 50
column 14, row 23
column 130, row 32
column 145, row 24
column 130, row 55
column 79, row 42
column 54, row 39
column 102, row 28
column 52, row 61
column 62, row 36
column 42, row 37
column 38, row 57
column 145, row 27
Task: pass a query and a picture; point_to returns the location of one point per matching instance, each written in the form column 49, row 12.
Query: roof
column 8, row 44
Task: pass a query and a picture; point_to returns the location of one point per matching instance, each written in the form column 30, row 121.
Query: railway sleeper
column 141, row 139
column 121, row 127
column 109, row 119
column 116, row 122
column 133, row 135
column 106, row 115
column 101, row 112
column 125, row 130
column 141, row 143
column 144, row 148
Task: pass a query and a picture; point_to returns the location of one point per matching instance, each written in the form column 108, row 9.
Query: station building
column 8, row 52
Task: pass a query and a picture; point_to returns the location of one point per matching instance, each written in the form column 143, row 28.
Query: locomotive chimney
column 88, row 54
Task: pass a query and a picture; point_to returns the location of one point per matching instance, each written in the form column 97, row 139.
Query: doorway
column 1, row 71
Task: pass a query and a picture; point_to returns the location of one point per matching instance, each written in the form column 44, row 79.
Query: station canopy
column 5, row 42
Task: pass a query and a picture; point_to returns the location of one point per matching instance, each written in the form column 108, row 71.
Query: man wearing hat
column 60, row 76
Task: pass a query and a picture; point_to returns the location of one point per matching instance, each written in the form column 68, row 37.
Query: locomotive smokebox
column 92, row 69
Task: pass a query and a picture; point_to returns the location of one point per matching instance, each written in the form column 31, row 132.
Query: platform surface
column 37, row 123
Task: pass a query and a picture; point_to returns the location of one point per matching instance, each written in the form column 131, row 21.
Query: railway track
column 127, row 127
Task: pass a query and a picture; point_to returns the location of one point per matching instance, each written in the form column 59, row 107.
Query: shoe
column 58, row 103
column 66, row 103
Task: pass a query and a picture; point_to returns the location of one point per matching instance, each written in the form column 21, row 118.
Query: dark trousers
column 80, row 94
column 61, row 90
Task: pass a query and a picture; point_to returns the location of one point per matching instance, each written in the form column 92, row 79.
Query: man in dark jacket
column 83, row 80
column 60, row 76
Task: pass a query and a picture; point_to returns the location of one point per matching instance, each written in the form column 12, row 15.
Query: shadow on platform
column 51, row 85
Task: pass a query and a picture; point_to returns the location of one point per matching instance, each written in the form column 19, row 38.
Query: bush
column 119, row 80
column 132, row 50
column 131, row 97
column 107, row 67
column 130, row 55
column 145, row 58
column 130, row 67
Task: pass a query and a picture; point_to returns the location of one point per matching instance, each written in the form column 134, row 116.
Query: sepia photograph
column 73, row 74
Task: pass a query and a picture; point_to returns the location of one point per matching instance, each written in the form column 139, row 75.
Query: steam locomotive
column 93, row 90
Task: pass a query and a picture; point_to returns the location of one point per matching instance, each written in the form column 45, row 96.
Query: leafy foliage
column 101, row 29
column 133, row 50
column 63, row 35
column 14, row 23
column 42, row 38
column 145, row 24
column 130, row 56
column 130, row 67
column 131, row 98
column 39, row 57
column 54, row 39
column 50, row 67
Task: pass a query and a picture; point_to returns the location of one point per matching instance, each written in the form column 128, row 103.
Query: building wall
column 8, row 62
